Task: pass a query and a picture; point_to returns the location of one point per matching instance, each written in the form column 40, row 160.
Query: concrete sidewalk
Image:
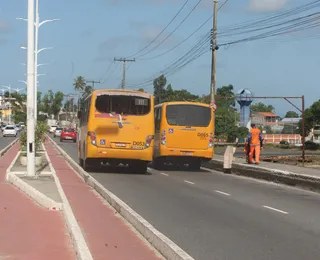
column 28, row 231
column 108, row 236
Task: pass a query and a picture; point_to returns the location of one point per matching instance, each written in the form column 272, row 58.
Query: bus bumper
column 180, row 154
column 121, row 155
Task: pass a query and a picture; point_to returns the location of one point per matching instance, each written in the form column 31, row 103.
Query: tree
column 79, row 83
column 52, row 103
column 141, row 89
column 312, row 117
column 261, row 107
column 159, row 89
column 291, row 114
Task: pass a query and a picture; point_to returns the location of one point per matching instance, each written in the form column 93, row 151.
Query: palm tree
column 87, row 91
column 79, row 83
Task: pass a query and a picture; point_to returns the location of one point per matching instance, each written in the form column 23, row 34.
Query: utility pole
column 214, row 48
column 93, row 82
column 30, row 92
column 124, row 60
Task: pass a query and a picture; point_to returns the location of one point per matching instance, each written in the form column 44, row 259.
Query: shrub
column 40, row 136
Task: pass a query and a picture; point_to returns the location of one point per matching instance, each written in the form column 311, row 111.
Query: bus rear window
column 188, row 115
column 127, row 105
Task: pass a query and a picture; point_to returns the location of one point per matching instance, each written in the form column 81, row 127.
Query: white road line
column 277, row 210
column 149, row 169
column 165, row 174
column 223, row 193
column 189, row 182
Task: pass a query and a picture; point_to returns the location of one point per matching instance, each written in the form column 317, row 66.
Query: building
column 5, row 109
column 264, row 118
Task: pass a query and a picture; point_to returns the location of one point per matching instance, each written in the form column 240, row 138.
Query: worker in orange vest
column 254, row 140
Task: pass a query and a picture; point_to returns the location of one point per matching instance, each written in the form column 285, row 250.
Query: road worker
column 254, row 141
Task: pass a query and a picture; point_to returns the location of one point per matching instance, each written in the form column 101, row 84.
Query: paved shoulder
column 28, row 231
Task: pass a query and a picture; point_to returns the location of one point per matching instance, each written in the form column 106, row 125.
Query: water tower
column 244, row 97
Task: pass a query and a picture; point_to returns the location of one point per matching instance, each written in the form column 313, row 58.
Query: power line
column 162, row 30
column 183, row 41
column 188, row 57
column 192, row 10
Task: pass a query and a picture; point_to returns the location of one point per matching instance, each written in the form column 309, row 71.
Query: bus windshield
column 122, row 104
column 188, row 115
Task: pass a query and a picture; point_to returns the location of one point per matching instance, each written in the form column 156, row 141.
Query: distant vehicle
column 21, row 125
column 117, row 126
column 9, row 130
column 3, row 127
column 184, row 134
column 68, row 134
column 52, row 128
column 18, row 128
column 57, row 132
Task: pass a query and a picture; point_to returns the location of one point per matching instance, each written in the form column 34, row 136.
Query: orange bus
column 116, row 126
column 184, row 134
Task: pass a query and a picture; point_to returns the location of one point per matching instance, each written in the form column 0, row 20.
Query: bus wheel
column 195, row 165
column 139, row 167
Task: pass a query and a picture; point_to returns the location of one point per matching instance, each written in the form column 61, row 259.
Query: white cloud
column 267, row 5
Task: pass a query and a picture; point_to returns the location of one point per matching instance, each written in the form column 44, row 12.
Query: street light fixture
column 37, row 25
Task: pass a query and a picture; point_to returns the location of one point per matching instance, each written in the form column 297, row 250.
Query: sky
column 90, row 34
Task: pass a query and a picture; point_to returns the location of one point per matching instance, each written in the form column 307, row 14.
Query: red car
column 68, row 134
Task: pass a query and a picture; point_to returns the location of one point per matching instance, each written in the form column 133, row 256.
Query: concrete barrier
column 160, row 242
column 303, row 181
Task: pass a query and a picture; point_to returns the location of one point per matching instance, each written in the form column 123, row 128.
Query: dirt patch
column 310, row 161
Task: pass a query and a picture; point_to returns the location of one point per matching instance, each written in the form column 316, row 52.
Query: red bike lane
column 107, row 236
column 27, row 231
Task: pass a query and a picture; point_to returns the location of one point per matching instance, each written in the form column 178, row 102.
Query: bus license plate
column 186, row 153
column 120, row 145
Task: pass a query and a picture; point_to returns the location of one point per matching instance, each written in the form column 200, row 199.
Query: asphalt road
column 215, row 216
column 4, row 141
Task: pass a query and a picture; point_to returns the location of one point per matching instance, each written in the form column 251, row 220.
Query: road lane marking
column 277, row 210
column 149, row 169
column 223, row 193
column 189, row 182
column 165, row 174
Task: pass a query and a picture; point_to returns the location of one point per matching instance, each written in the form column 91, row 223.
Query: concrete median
column 304, row 178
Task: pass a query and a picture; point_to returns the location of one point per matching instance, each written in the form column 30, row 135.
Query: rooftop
column 266, row 114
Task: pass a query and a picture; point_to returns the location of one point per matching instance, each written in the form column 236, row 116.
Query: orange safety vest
column 255, row 136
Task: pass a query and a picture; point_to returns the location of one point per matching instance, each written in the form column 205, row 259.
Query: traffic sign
column 214, row 106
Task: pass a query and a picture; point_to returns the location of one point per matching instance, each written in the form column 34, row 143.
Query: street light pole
column 36, row 62
column 30, row 92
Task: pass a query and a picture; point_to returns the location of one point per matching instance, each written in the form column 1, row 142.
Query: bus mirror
column 79, row 114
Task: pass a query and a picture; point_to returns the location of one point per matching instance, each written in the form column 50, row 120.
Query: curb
column 33, row 193
column 30, row 191
column 303, row 181
column 4, row 150
column 160, row 242
column 79, row 243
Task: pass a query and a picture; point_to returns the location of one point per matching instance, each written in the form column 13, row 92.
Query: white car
column 58, row 132
column 53, row 128
column 9, row 130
